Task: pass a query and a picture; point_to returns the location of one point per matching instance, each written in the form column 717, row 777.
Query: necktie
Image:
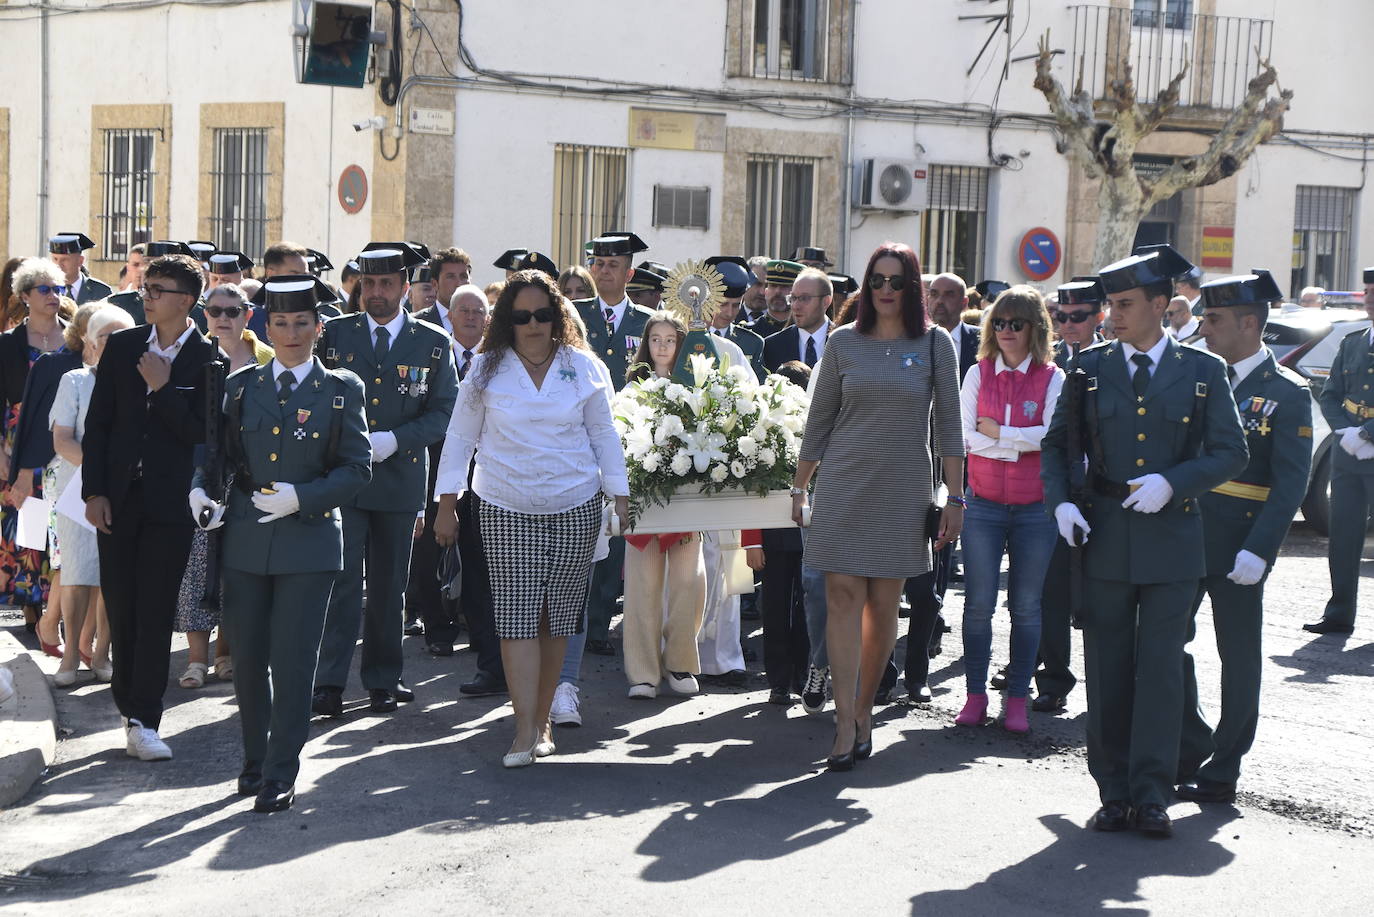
column 285, row 383
column 380, row 350
column 1231, row 375
column 810, row 358
column 610, row 318
column 1140, row 379
column 463, row 367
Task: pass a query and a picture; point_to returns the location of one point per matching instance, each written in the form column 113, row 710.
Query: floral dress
column 24, row 572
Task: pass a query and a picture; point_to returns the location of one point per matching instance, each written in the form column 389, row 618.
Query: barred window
column 238, row 216
column 779, row 204
column 1323, row 220
column 954, row 223
column 589, row 190
column 126, row 212
column 684, row 208
column 789, row 39
column 1161, row 14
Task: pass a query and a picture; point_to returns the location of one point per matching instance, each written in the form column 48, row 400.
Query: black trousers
column 1053, row 676
column 423, row 599
column 475, row 602
column 786, row 645
column 926, row 596
column 141, row 564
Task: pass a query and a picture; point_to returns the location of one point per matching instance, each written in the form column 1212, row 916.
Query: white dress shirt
column 619, row 310
column 1011, row 441
column 1245, row 367
column 1186, row 331
column 170, row 354
column 539, row 450
column 393, row 328
column 819, row 335
column 1155, row 353
column 299, row 372
column 76, row 285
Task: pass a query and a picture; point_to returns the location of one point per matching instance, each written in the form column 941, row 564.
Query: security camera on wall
column 375, row 123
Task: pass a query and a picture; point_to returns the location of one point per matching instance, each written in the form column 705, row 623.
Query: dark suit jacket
column 430, row 315
column 782, row 347
column 91, row 290
column 130, row 302
column 765, row 327
column 751, row 344
column 33, row 439
column 14, row 365
column 126, row 426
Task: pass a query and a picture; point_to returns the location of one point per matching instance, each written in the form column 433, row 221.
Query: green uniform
column 1144, row 568
column 1251, row 513
column 1347, row 400
column 132, row 303
column 613, row 346
column 751, row 344
column 278, row 574
column 411, row 394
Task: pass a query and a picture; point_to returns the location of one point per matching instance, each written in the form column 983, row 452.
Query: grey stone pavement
column 706, row 805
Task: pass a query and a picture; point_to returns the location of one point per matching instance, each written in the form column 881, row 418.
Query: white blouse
column 1011, row 441
column 539, row 451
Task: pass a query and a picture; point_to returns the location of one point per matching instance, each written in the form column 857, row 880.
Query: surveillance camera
column 370, row 124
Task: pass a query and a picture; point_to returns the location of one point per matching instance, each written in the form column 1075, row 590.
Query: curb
column 28, row 724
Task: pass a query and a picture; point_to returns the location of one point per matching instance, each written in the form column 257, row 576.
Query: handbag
column 450, row 573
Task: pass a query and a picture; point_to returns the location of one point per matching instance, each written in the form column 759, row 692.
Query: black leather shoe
column 402, row 693
column 1329, row 627
column 380, row 700
column 601, row 647
column 1115, row 815
column 275, row 796
column 883, row 696
column 1153, row 819
column 439, row 649
column 780, row 696
column 1204, row 790
column 414, row 628
column 250, row 781
column 998, row 682
column 483, row 685
column 327, row 701
column 1049, row 703
column 937, row 646
column 920, row 695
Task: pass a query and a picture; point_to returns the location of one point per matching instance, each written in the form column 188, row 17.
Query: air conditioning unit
column 890, row 184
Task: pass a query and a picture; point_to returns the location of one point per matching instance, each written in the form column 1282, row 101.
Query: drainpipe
column 845, row 221
column 43, row 119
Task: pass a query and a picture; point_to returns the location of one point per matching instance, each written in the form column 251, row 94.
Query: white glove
column 1069, row 518
column 1351, row 439
column 1365, row 451
column 1152, row 495
column 277, row 505
column 383, row 445
column 1249, row 569
column 199, row 500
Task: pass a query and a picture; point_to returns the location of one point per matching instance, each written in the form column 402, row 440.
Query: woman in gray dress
column 878, row 386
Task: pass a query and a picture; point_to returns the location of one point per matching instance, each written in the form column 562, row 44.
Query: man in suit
column 407, row 369
column 948, row 300
column 1347, row 403
column 780, row 276
column 1162, row 431
column 1244, row 522
column 68, row 250
column 147, row 415
column 738, row 279
column 614, row 327
column 804, row 339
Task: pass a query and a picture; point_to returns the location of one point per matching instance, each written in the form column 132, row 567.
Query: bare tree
column 1105, row 138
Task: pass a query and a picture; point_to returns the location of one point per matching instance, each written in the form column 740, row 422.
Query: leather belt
column 1114, row 489
column 1362, row 411
column 1256, row 492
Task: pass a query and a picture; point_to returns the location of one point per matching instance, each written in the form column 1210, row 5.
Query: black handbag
column 450, row 573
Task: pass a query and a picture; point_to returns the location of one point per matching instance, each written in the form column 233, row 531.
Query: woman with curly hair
column 535, row 406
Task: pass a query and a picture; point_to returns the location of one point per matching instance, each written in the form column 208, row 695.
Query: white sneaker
column 145, row 744
column 643, row 692
column 567, row 706
column 683, row 682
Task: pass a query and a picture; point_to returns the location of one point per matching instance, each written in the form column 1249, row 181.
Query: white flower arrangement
column 726, row 431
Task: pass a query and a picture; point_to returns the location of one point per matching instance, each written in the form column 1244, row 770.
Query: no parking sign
column 1039, row 253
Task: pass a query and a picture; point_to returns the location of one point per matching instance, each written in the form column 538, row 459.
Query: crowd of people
column 291, row 470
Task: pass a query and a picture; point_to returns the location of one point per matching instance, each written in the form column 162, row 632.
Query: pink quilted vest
column 1016, row 483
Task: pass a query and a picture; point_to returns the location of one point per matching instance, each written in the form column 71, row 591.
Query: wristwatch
column 798, row 491
column 958, row 501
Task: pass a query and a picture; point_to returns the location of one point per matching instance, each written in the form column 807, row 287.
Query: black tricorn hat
column 1253, row 289
column 735, row 272
column 1081, row 291
column 222, row 262
column 658, row 267
column 1152, row 264
column 643, row 280
column 388, row 258
column 422, row 248
column 202, row 249
column 421, row 273
column 293, row 293
column 536, row 261
column 1368, row 275
column 317, row 262
column 1190, row 272
column 843, row 285
column 510, row 258
column 616, row 243
column 69, row 243
column 167, row 247
column 810, row 253
column 991, row 289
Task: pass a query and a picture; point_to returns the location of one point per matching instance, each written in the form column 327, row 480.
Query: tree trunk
column 1120, row 207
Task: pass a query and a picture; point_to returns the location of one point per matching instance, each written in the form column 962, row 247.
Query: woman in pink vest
column 1006, row 399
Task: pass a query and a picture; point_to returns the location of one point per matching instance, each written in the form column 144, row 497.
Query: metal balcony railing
column 1222, row 53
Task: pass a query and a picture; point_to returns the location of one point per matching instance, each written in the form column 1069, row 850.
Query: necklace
column 532, row 363
column 42, row 337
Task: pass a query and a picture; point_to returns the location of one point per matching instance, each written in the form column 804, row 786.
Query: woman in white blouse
column 536, row 408
column 1006, row 402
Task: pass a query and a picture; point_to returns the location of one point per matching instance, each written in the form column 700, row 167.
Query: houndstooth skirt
column 532, row 559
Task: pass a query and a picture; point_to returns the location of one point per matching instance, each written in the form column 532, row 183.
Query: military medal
column 302, row 416
column 423, row 374
column 403, row 372
column 631, row 343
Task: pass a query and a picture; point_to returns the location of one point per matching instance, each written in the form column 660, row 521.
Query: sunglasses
column 1016, row 325
column 1076, row 318
column 895, row 282
column 542, row 316
column 221, row 311
column 44, row 289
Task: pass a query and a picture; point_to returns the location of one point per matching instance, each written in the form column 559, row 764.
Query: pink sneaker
column 974, row 712
column 1014, row 715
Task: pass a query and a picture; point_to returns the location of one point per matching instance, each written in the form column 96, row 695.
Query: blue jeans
column 1027, row 536
column 813, row 599
column 572, row 657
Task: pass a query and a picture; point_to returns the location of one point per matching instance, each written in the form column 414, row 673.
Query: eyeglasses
column 154, row 292
column 895, row 282
column 1076, row 318
column 1016, row 325
column 543, row 316
column 44, row 289
column 221, row 311
column 802, row 298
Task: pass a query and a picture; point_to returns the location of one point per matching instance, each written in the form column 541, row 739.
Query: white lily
column 701, row 365
column 704, row 447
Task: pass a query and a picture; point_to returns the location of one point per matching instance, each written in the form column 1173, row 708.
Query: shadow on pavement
column 1326, row 656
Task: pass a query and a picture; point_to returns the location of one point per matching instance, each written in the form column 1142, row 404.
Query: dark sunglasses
column 895, row 282
column 542, row 316
column 221, row 311
column 44, row 289
column 1015, row 324
column 1076, row 318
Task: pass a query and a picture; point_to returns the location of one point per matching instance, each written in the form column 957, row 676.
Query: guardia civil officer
column 1158, row 438
column 614, row 326
column 1244, row 522
column 296, row 443
column 68, row 250
column 407, row 369
column 514, row 260
column 780, row 275
column 738, row 279
column 1076, row 318
column 1347, row 403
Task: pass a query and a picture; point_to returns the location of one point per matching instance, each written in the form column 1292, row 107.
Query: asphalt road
column 704, row 805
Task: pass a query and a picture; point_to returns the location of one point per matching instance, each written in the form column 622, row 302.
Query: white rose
column 675, row 392
column 651, row 461
column 719, row 473
column 682, row 463
column 767, row 457
column 748, row 446
column 737, row 468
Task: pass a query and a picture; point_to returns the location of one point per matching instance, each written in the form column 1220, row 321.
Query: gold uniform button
column 272, row 457
column 276, row 430
column 1139, row 462
column 327, row 514
column 373, row 422
column 609, row 352
column 416, row 459
column 1186, row 418
column 1187, row 509
column 1140, row 411
column 314, row 436
column 1140, row 437
column 1249, row 515
column 377, row 381
column 376, row 401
